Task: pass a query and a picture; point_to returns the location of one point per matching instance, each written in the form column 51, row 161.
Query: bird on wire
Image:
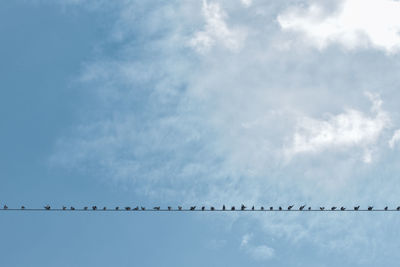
column 64, row 208
column 156, row 208
column 85, row 208
column 22, row 207
column 203, row 208
column 94, row 207
column 127, row 208
column 342, row 208
column 280, row 208
column 321, row 208
column 72, row 208
column 212, row 208
column 47, row 207
column 398, row 208
column 233, row 208
column 262, row 208
column 104, row 208
column 192, row 207
column 223, row 207
column 243, row 207
column 5, row 207
column 333, row 208
column 309, row 208
column 290, row 207
column 143, row 208
column 136, row 208
column 169, row 208
column 357, row 208
column 386, row 208
column 370, row 207
column 302, row 207
column 252, row 208
column 271, row 208
column 179, row 208
column 116, row 208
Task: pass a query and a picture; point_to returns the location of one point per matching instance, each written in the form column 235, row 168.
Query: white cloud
column 246, row 3
column 354, row 24
column 216, row 31
column 257, row 252
column 395, row 139
column 352, row 128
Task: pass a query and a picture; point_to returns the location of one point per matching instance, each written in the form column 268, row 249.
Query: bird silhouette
column 212, row 208
column 85, row 208
column 127, row 208
column 398, row 208
column 223, row 207
column 143, row 208
column 193, row 208
column 116, row 208
column 370, row 207
column 104, row 208
column 302, row 207
column 233, row 208
column 94, row 207
column 203, row 208
column 290, row 207
column 321, row 208
column 356, row 208
column 64, row 208
column 271, row 208
column 386, row 208
column 5, row 207
column 309, row 208
column 169, row 208
column 136, row 208
column 262, row 208
column 22, row 207
column 47, row 207
column 333, row 208
column 72, row 208
column 342, row 208
column 243, row 207
column 252, row 208
column 156, row 208
column 280, row 208
column 179, row 208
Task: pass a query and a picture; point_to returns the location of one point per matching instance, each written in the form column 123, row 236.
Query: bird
column 321, row 208
column 136, row 208
column 280, row 208
column 386, row 208
column 192, row 207
column 290, row 207
column 157, row 208
column 64, row 208
column 85, row 208
column 116, row 208
column 179, row 207
column 252, row 208
column 333, row 208
column 309, row 208
column 169, row 208
column 342, row 208
column 356, row 208
column 262, row 208
column 370, row 207
column 243, row 207
column 271, row 208
column 398, row 208
column 203, row 208
column 94, row 207
column 223, row 207
column 127, row 208
column 143, row 208
column 104, row 208
column 5, row 207
column 212, row 208
column 233, row 208
column 72, row 208
column 22, row 207
column 302, row 207
column 47, row 207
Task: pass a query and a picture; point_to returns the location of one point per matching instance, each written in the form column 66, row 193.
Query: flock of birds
column 203, row 208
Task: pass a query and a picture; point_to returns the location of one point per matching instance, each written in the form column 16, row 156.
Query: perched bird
column 398, row 208
column 233, row 208
column 280, row 208
column 47, row 207
column 271, row 208
column 262, row 208
column 22, row 207
column 136, row 208
column 321, row 208
column 370, row 207
column 333, row 208
column 223, row 207
column 85, row 208
column 127, row 208
column 169, row 208
column 64, row 208
column 252, row 208
column 192, row 207
column 157, row 208
column 212, row 208
column 72, row 208
column 342, row 208
column 386, row 208
column 356, row 208
column 302, row 207
column 143, row 208
column 5, row 207
column 309, row 208
column 116, row 208
column 203, row 208
column 179, row 208
column 243, row 207
column 104, row 208
column 290, row 207
column 94, row 207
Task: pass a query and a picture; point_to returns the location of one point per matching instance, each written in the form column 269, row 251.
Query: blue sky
column 199, row 103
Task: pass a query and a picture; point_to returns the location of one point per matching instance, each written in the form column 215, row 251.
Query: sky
column 200, row 102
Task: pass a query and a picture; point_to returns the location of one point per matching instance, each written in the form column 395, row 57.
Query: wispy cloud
column 257, row 252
